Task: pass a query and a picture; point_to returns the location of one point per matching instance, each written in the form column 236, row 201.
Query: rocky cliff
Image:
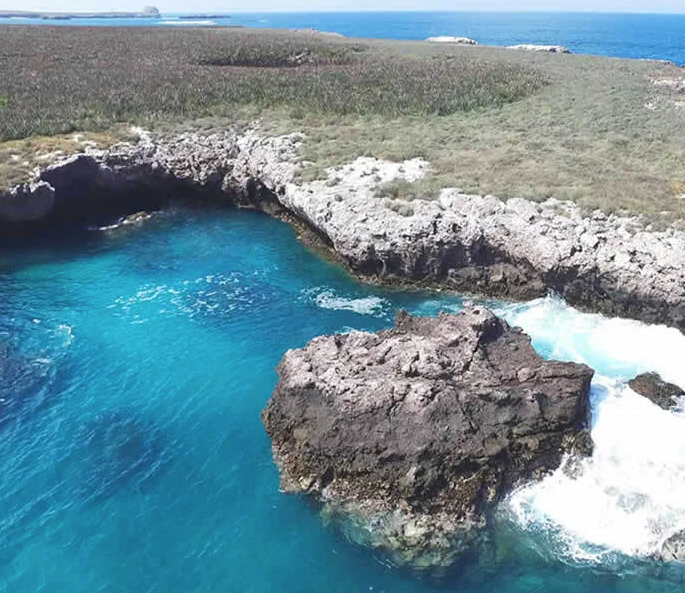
column 474, row 244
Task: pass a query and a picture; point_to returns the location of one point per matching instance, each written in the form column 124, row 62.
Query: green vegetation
column 3, row 101
column 89, row 78
column 594, row 130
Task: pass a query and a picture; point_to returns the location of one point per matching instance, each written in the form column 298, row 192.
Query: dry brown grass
column 19, row 158
column 593, row 130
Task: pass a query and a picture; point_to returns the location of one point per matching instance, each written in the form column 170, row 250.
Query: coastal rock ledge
column 411, row 436
column 514, row 249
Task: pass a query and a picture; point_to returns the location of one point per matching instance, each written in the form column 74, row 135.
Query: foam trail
column 363, row 306
column 630, row 496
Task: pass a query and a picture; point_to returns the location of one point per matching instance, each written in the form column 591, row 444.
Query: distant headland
column 149, row 12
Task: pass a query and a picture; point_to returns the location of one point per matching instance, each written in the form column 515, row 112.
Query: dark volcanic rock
column 117, row 450
column 654, row 388
column 415, row 433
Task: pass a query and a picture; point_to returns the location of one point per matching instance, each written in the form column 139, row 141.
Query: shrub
column 63, row 79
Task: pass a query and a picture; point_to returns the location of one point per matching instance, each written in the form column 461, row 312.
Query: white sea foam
column 370, row 305
column 630, row 496
column 614, row 347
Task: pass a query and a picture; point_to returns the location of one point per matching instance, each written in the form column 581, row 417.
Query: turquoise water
column 656, row 36
column 169, row 336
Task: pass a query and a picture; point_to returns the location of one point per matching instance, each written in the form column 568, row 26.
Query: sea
column 648, row 36
column 135, row 362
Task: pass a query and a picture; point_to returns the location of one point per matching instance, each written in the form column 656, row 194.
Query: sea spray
column 630, row 496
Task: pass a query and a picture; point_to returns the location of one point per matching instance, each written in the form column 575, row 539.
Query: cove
column 169, row 334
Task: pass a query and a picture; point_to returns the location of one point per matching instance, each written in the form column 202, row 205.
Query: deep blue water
column 656, row 36
column 136, row 460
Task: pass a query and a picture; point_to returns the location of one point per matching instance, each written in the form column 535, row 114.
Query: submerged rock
column 21, row 380
column 412, row 435
column 117, row 450
column 655, row 389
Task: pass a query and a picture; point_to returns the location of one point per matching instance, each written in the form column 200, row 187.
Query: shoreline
column 479, row 245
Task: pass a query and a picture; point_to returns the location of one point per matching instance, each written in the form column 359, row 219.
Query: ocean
column 652, row 36
column 135, row 460
column 165, row 339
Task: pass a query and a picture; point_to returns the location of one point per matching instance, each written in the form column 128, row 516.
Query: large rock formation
column 414, row 434
column 476, row 244
column 655, row 389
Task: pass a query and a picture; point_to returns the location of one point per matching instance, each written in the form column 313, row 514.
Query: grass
column 59, row 80
column 594, row 130
column 19, row 158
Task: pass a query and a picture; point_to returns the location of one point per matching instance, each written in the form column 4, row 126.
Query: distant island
column 149, row 12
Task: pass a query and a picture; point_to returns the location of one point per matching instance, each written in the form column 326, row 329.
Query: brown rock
column 654, row 388
column 417, row 432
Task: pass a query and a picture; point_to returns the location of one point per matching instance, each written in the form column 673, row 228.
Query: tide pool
column 160, row 344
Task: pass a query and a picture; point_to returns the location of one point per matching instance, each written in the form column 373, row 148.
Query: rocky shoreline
column 473, row 244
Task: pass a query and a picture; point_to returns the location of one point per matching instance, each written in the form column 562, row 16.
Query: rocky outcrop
column 28, row 202
column 655, row 389
column 469, row 243
column 551, row 49
column 457, row 40
column 673, row 549
column 413, row 435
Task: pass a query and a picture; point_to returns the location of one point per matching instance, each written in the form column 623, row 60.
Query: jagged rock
column 417, row 432
column 655, row 389
column 457, row 40
column 475, row 244
column 673, row 549
column 27, row 202
column 552, row 49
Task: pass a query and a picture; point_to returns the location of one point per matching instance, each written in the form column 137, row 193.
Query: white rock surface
column 474, row 244
column 552, row 49
column 457, row 40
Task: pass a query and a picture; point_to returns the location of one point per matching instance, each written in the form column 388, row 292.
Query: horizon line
column 434, row 10
column 362, row 11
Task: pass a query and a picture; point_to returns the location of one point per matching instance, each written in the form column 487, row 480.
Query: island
column 449, row 167
column 149, row 12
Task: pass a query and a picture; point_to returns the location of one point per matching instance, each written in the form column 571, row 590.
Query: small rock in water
column 117, row 450
column 655, row 389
